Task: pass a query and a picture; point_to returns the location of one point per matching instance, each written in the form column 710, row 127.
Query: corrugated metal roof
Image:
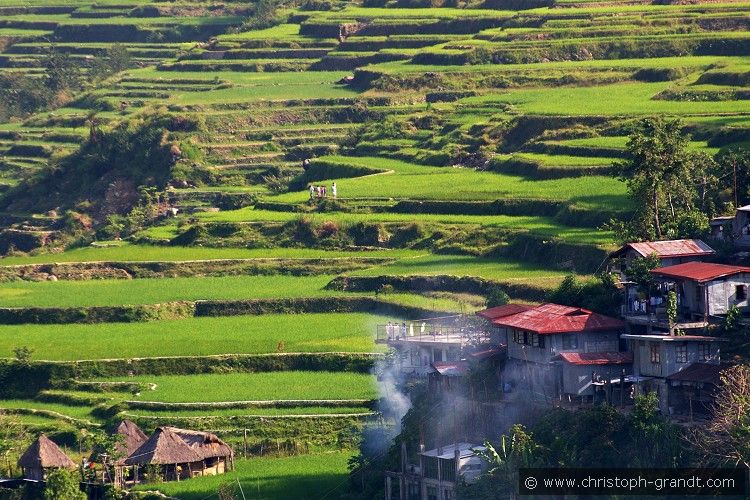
column 464, row 450
column 669, row 248
column 501, row 311
column 554, row 318
column 705, row 373
column 699, row 271
column 450, row 369
column 597, row 358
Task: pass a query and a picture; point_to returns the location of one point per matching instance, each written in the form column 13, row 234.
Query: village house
column 498, row 335
column 435, row 475
column 669, row 252
column 537, row 336
column 704, row 292
column 418, row 344
column 591, row 374
column 176, row 454
column 657, row 358
column 43, row 456
column 734, row 229
column 452, row 376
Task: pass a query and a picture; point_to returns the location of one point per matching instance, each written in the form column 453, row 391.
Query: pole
column 240, row 485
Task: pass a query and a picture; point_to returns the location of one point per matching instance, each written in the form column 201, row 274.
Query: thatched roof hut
column 132, row 438
column 205, row 444
column 43, row 454
column 164, row 447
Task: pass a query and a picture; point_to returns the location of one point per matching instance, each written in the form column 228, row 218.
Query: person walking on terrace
column 333, row 190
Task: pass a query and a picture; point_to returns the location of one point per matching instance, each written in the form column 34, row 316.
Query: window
column 528, row 338
column 698, row 294
column 431, row 467
column 740, row 292
column 681, row 353
column 704, row 351
column 655, row 353
column 448, row 494
column 448, row 469
column 569, row 342
column 432, row 493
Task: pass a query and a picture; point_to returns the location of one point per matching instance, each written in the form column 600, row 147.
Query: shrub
column 328, row 229
column 497, row 297
column 63, row 485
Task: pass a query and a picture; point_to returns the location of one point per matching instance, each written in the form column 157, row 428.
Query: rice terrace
column 401, row 249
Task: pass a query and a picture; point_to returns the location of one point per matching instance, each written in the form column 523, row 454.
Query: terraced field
column 472, row 147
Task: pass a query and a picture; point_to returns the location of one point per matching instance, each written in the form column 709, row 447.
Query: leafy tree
column 63, row 484
column 665, row 180
column 639, row 271
column 734, row 163
column 497, row 297
column 599, row 294
column 654, row 439
column 61, row 72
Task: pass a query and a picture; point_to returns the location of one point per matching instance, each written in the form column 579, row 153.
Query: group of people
column 322, row 191
column 395, row 331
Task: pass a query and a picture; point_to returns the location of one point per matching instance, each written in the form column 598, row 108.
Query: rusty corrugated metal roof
column 705, row 373
column 450, row 369
column 699, row 271
column 554, row 318
column 597, row 358
column 501, row 311
column 669, row 248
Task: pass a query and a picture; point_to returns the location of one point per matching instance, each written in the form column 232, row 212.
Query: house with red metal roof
column 538, row 336
column 670, row 252
column 704, row 291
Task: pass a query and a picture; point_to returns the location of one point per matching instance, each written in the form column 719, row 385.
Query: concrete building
column 435, row 474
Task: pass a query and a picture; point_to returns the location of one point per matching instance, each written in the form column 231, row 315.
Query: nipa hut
column 218, row 457
column 42, row 456
column 177, row 454
column 131, row 438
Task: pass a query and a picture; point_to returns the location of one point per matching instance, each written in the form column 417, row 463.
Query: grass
column 147, row 253
column 255, row 386
column 302, row 477
column 270, row 412
column 79, row 412
column 466, row 265
column 348, row 332
column 405, row 180
column 607, row 100
column 151, row 291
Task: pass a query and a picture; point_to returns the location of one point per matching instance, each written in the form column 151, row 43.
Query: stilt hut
column 131, row 438
column 42, row 456
column 165, row 450
column 218, row 457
